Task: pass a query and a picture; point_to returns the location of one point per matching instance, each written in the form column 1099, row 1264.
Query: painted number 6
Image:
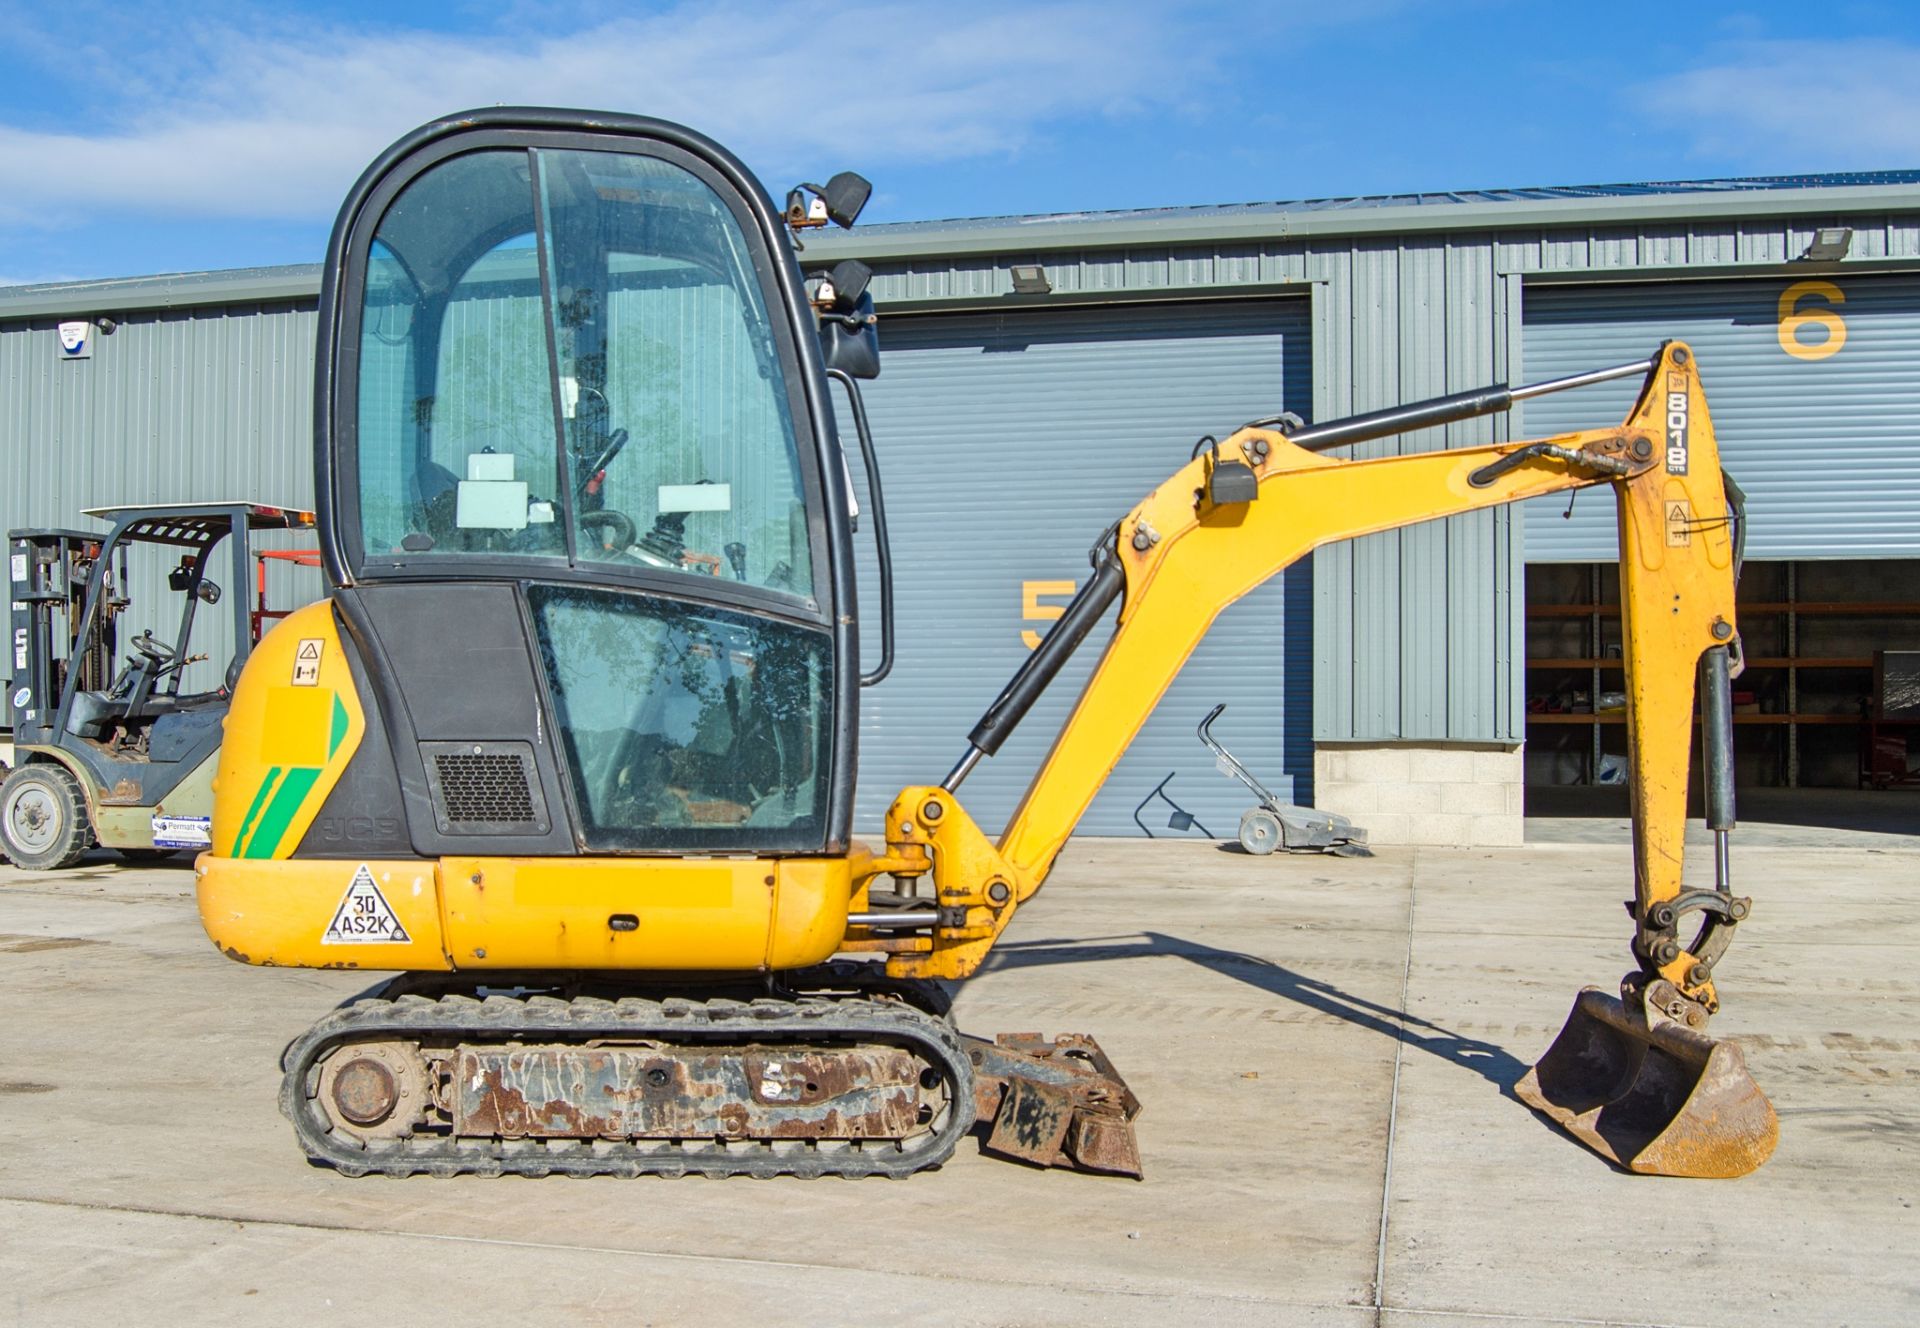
column 1792, row 320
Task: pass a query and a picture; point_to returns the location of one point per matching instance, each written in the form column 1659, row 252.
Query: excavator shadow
column 1492, row 1063
column 1665, row 1101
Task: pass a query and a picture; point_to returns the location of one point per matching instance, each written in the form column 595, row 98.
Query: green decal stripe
column 280, row 812
column 339, row 730
column 259, row 800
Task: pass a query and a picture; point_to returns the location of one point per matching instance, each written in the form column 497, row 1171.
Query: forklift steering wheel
column 158, row 651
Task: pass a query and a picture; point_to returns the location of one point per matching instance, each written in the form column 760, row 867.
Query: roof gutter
column 184, row 290
column 1027, row 235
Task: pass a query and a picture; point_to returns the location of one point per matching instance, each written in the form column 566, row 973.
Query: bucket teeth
column 1651, row 1094
column 1056, row 1103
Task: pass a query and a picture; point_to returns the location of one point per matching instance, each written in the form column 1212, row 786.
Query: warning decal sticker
column 306, row 662
column 364, row 916
column 1679, row 524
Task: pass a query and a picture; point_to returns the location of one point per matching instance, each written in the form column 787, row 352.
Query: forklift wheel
column 44, row 824
column 1259, row 830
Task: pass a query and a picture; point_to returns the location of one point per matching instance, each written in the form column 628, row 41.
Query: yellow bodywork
column 534, row 913
column 294, row 727
column 295, row 722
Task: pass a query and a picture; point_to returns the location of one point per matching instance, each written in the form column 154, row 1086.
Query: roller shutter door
column 1008, row 442
column 1825, row 442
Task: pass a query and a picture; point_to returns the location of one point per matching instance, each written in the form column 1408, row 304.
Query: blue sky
column 178, row 137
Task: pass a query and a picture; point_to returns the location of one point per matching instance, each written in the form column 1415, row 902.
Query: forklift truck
column 111, row 749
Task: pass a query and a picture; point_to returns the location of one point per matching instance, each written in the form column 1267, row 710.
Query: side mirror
column 851, row 340
column 209, row 592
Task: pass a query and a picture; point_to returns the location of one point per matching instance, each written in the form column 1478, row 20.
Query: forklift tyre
column 44, row 825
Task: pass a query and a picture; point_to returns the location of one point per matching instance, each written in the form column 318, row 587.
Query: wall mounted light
column 1830, row 244
column 1030, row 279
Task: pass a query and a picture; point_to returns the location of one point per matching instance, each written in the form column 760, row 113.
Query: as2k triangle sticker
column 364, row 916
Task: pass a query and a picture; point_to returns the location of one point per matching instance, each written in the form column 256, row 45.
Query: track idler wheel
column 1650, row 1093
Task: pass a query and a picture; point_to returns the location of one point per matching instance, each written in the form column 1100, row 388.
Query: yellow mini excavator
column 570, row 745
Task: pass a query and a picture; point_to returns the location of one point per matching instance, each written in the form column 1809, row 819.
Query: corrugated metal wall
column 1007, row 444
column 1418, row 634
column 181, row 406
column 1826, row 446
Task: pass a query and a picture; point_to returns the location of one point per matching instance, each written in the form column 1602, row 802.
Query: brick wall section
column 1453, row 795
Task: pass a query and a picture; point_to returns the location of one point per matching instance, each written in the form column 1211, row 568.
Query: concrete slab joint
column 1435, row 794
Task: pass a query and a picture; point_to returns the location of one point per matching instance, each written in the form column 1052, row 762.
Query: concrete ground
column 1325, row 1049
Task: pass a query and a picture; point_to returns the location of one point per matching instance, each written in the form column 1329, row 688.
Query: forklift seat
column 90, row 714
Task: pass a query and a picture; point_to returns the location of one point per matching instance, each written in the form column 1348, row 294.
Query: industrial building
column 1042, row 373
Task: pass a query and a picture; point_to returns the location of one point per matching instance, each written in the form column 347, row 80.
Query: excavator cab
column 576, row 417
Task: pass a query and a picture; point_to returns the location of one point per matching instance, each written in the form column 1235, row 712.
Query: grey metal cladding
column 1827, row 449
column 1409, row 624
column 1384, row 668
column 1008, row 443
column 190, row 405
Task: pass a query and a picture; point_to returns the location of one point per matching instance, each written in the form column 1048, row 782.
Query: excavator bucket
column 1650, row 1093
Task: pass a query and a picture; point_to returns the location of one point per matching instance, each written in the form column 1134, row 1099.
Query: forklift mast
column 50, row 571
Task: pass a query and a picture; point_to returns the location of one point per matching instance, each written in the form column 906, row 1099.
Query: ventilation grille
column 485, row 788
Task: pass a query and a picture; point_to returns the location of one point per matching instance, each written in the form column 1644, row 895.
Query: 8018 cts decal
column 1677, row 401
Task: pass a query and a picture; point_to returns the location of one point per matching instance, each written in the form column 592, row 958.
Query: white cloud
column 244, row 123
column 1800, row 105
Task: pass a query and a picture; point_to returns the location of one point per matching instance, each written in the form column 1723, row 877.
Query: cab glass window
column 456, row 421
column 676, row 411
column 569, row 354
column 686, row 727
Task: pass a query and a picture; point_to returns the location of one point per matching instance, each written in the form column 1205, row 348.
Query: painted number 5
column 1034, row 611
column 1793, row 319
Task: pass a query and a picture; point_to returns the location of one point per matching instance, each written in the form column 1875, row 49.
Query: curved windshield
column 568, row 355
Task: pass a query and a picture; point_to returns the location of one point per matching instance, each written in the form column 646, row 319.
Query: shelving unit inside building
column 1805, row 708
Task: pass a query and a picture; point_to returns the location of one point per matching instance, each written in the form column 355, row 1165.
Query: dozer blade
column 1054, row 1104
column 1651, row 1094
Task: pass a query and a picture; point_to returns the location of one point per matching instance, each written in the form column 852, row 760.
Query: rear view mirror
column 851, row 340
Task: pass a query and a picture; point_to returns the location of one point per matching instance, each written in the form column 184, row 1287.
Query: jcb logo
column 1677, row 400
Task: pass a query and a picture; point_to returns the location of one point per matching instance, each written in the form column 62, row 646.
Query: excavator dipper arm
column 1246, row 509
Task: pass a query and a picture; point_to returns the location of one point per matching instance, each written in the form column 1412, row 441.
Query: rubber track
column 532, row 1019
